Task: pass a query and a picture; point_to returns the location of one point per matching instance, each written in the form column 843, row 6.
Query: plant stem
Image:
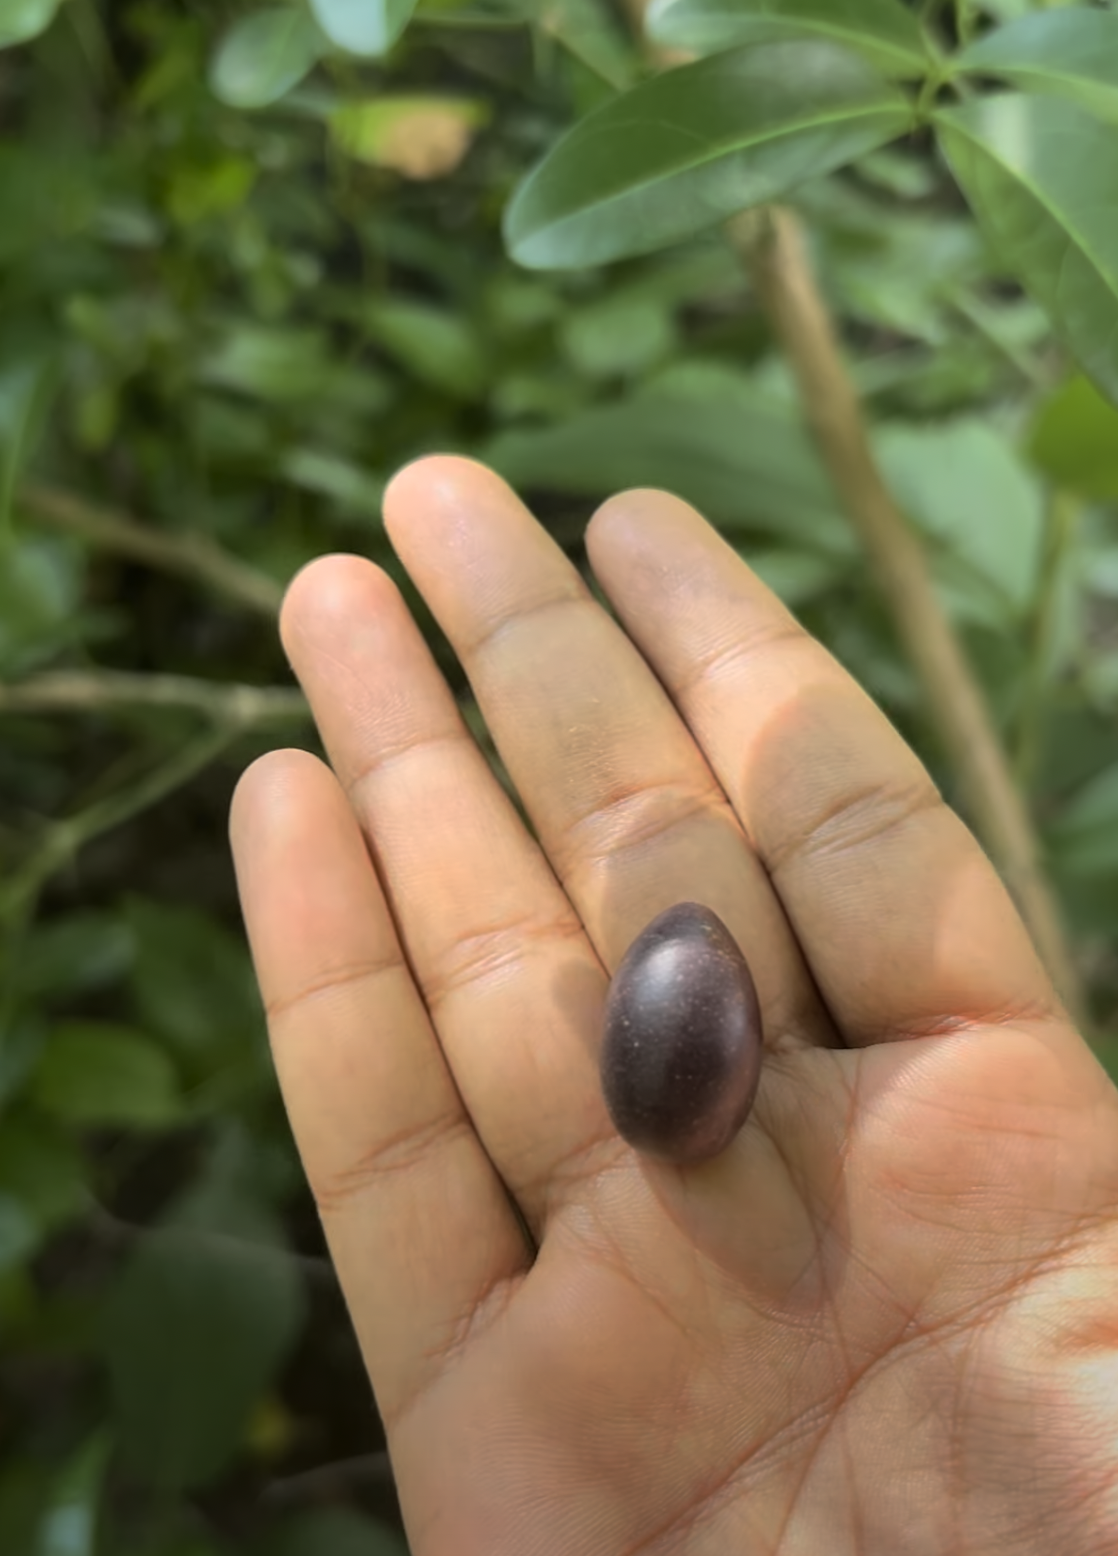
column 65, row 838
column 772, row 244
column 1062, row 523
column 93, row 690
column 338, row 1475
column 981, row 318
column 190, row 555
column 230, row 709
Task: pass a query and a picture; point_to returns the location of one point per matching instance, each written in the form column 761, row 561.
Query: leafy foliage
column 695, row 145
column 264, row 56
column 1020, row 161
column 883, row 30
column 212, row 1280
column 1071, row 53
column 252, row 260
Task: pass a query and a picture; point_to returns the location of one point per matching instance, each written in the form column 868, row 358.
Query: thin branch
column 965, row 21
column 64, row 839
column 94, row 690
column 1060, row 530
column 771, row 242
column 981, row 318
column 327, row 1480
column 190, row 555
column 229, row 709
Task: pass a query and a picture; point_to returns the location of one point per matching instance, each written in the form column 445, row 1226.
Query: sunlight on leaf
column 362, row 27
column 1072, row 54
column 263, row 56
column 883, row 30
column 22, row 20
column 1042, row 178
column 696, row 145
column 1074, row 441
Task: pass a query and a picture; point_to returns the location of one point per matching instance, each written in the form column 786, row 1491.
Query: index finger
column 903, row 919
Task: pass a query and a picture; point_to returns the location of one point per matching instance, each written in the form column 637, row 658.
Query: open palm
column 886, row 1320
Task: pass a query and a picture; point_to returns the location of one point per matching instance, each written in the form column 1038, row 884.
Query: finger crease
column 388, row 756
column 1018, row 1013
column 496, row 629
column 492, row 949
column 486, row 1307
column 659, row 807
column 737, row 655
column 856, row 819
column 336, row 978
column 398, row 1153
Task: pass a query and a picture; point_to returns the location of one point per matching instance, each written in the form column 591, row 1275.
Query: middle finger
column 624, row 804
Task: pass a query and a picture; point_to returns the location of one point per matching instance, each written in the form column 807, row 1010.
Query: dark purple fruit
column 681, row 1056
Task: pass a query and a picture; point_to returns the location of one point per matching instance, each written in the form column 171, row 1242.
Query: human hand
column 885, row 1321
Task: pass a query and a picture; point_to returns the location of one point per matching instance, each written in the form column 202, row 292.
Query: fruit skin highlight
column 681, row 1053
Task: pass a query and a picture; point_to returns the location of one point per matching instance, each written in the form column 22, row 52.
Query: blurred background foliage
column 248, row 267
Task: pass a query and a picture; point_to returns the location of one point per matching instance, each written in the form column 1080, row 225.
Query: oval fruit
column 681, row 1054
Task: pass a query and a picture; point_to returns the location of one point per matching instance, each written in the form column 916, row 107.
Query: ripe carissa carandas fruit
column 681, row 1055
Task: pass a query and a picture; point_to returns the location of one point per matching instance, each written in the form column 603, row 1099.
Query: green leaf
column 704, row 432
column 1074, row 441
column 883, row 30
column 97, row 1073
column 271, row 363
column 69, row 1521
column 264, row 55
column 330, row 1531
column 22, row 1038
column 437, row 346
column 1105, row 1046
column 1100, row 569
column 899, row 273
column 40, row 591
column 1084, row 837
column 42, row 1168
column 695, row 145
column 363, row 27
column 588, row 29
column 1072, row 54
column 796, row 576
column 26, row 387
column 49, row 194
column 1042, row 178
column 187, row 1544
column 200, row 1320
column 318, row 470
column 22, row 20
column 193, row 981
column 965, row 485
column 19, row 1234
column 899, row 173
column 1079, row 744
column 24, row 1494
column 199, row 191
column 624, row 334
column 72, row 953
column 1007, row 10
column 1100, row 681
